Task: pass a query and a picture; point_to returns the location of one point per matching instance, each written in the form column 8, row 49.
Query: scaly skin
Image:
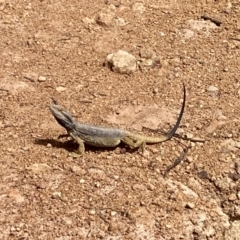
column 107, row 137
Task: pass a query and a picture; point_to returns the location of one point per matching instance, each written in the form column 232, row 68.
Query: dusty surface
column 57, row 49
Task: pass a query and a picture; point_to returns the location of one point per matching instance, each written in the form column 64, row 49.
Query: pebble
column 42, row 79
column 116, row 177
column 190, row 205
column 149, row 58
column 232, row 197
column 60, row 89
column 122, row 62
column 56, row 195
column 105, row 19
column 113, row 213
column 138, row 7
column 189, row 159
column 151, row 187
column 212, row 89
column 120, row 21
column 82, row 181
column 92, row 212
column 88, row 20
column 97, row 184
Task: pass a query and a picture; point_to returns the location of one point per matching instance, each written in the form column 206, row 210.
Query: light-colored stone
column 122, row 62
column 212, row 88
column 42, row 79
column 138, row 7
column 60, row 89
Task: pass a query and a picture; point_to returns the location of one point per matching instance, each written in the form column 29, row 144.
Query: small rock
column 106, row 16
column 88, row 21
column 56, row 195
column 219, row 115
column 82, row 181
column 189, row 135
column 151, row 187
column 92, row 212
column 223, row 184
column 60, row 89
column 120, row 21
column 138, row 7
column 105, row 19
column 113, row 213
column 203, row 174
column 116, row 177
column 122, row 62
column 189, row 159
column 228, row 8
column 234, row 176
column 149, row 58
column 232, row 197
column 49, row 145
column 97, row 184
column 42, row 79
column 190, row 205
column 155, row 90
column 116, row 3
column 212, row 89
column 147, row 54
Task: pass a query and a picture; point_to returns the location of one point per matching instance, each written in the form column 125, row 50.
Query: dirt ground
column 57, row 48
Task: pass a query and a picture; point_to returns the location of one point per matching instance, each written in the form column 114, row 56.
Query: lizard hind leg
column 133, row 142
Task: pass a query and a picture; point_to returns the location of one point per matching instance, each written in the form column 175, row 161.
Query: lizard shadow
column 68, row 145
column 72, row 146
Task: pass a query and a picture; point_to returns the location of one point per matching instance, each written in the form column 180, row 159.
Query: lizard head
column 62, row 116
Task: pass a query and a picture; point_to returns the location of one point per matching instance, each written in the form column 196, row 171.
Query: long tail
column 62, row 116
column 174, row 129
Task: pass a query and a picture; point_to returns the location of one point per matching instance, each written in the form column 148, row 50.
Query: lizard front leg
column 81, row 148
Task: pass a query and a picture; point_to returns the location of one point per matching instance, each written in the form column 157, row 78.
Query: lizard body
column 106, row 137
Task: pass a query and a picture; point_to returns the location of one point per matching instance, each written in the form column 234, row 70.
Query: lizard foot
column 74, row 155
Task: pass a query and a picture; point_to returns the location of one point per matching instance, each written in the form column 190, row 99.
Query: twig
column 28, row 78
column 236, row 39
column 85, row 101
column 214, row 20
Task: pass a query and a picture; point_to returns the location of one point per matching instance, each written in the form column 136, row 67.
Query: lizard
column 99, row 136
